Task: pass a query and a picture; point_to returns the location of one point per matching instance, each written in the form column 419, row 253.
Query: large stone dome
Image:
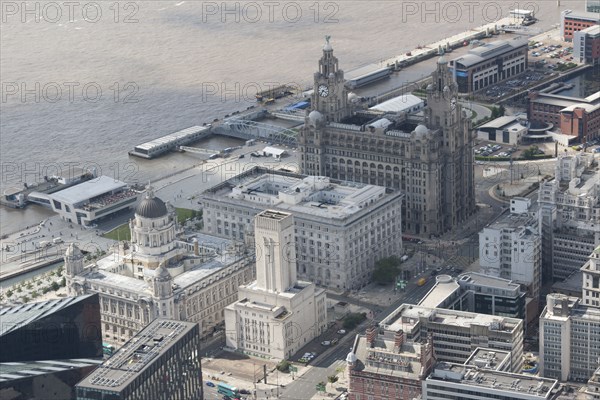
column 151, row 207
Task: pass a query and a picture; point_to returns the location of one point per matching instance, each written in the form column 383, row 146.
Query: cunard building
column 429, row 158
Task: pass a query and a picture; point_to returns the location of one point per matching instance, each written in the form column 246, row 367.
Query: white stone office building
column 451, row 381
column 341, row 228
column 569, row 208
column 456, row 334
column 160, row 274
column 569, row 339
column 511, row 247
column 275, row 315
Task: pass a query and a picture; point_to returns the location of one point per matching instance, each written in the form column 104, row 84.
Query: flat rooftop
column 382, row 359
column 136, row 355
column 493, row 380
column 88, row 190
column 173, row 137
column 407, row 316
column 316, row 196
column 398, row 103
column 495, row 360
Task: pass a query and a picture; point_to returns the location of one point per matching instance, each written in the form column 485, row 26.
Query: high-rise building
column 161, row 274
column 569, row 208
column 456, row 334
column 162, row 361
column 276, row 314
column 592, row 390
column 342, row 228
column 430, row 159
column 569, row 338
column 511, row 247
column 586, row 45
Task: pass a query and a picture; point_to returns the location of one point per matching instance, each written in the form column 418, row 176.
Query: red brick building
column 574, row 21
column 578, row 117
column 383, row 365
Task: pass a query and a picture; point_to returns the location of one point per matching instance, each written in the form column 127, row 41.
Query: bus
column 228, row 390
column 108, row 349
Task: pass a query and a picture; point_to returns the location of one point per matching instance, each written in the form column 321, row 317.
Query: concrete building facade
column 456, row 334
column 490, row 64
column 160, row 274
column 457, row 382
column 569, row 209
column 569, row 339
column 341, row 228
column 511, row 247
column 430, row 159
column 275, row 315
column 586, row 45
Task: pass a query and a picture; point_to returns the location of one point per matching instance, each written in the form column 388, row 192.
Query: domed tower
column 162, row 290
column 154, row 228
column 73, row 260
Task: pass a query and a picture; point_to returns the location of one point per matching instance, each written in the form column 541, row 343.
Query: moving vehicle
column 421, row 282
column 326, row 343
column 108, row 349
column 228, row 390
column 341, row 332
column 210, row 384
column 57, row 240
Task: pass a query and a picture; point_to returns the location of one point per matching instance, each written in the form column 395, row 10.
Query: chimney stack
column 398, row 340
column 371, row 335
column 196, row 249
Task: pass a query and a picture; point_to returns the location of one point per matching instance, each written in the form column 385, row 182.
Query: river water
column 83, row 84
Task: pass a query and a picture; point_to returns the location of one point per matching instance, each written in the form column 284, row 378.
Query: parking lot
column 545, row 60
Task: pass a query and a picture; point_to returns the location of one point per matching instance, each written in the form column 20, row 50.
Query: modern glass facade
column 52, row 330
column 160, row 362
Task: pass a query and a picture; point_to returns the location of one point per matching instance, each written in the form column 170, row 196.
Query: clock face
column 323, row 90
column 453, row 103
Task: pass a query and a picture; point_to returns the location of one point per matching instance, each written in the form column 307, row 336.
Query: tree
column 63, row 282
column 501, row 110
column 353, row 319
column 386, row 270
column 284, row 366
column 9, row 293
column 530, row 152
column 332, row 379
column 25, row 299
column 54, row 286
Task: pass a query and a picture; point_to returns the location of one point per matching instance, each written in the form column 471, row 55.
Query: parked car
column 341, row 332
column 210, row 384
column 325, row 343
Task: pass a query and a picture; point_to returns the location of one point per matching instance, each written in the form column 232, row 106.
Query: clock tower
column 443, row 111
column 330, row 97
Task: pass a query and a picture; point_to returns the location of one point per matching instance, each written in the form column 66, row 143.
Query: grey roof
column 500, row 122
column 152, row 207
column 138, row 354
column 87, row 190
column 489, row 50
column 14, row 317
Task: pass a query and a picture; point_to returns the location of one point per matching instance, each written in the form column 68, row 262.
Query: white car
column 326, row 343
column 341, row 332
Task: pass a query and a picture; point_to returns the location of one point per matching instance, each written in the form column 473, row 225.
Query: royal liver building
column 429, row 157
